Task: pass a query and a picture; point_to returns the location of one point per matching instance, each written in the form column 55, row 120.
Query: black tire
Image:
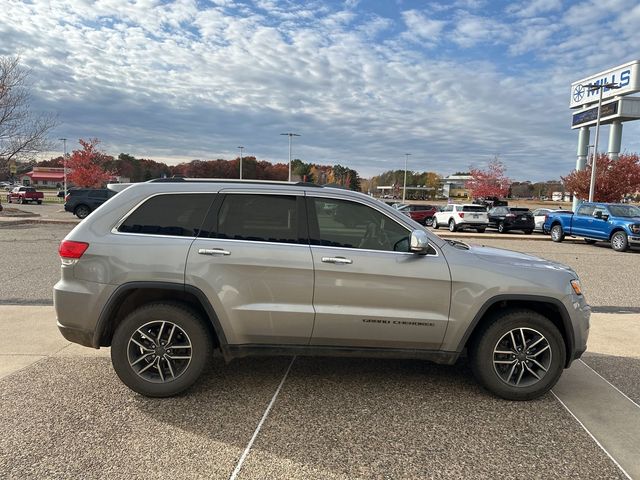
column 20, row 200
column 528, row 232
column 557, row 233
column 589, row 241
column 435, row 224
column 428, row 221
column 452, row 225
column 39, row 202
column 194, row 332
column 619, row 241
column 480, row 230
column 82, row 211
column 502, row 228
column 501, row 378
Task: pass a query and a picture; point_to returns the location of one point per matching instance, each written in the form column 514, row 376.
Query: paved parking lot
column 66, row 415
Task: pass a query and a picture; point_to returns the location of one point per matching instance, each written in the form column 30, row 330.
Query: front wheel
column 160, row 349
column 502, row 228
column 452, row 225
column 435, row 223
column 518, row 355
column 619, row 241
column 557, row 233
column 20, row 200
column 428, row 221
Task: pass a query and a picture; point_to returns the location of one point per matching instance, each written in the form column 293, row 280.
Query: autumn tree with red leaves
column 87, row 166
column 614, row 179
column 491, row 182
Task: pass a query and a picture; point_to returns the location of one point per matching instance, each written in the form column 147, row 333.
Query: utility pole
column 64, row 164
column 404, row 189
column 600, row 87
column 289, row 134
column 241, row 149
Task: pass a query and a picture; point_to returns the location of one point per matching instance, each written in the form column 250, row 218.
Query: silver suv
column 167, row 271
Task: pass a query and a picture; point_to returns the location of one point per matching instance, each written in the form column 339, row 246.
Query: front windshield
column 624, row 211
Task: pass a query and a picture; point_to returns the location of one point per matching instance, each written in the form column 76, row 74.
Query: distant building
column 454, row 186
column 50, row 177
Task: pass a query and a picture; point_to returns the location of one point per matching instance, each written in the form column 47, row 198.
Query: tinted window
column 474, row 208
column 178, row 215
column 520, row 210
column 342, row 223
column 262, row 218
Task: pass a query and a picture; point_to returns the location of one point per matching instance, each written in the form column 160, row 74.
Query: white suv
column 458, row 217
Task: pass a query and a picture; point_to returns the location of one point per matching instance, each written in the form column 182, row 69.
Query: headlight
column 635, row 228
column 575, row 284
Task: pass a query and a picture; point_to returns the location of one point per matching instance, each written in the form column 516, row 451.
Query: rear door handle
column 213, row 251
column 337, row 260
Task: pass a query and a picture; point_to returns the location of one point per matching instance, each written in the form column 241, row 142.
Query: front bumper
column 634, row 239
column 580, row 314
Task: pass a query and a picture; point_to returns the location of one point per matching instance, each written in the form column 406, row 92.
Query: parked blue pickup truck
column 609, row 222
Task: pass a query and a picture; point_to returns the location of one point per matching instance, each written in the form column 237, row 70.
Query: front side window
column 260, row 218
column 342, row 223
column 179, row 215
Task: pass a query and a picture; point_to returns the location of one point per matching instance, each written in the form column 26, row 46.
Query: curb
column 31, row 221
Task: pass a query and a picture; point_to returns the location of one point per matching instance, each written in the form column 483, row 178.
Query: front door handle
column 337, row 260
column 213, row 251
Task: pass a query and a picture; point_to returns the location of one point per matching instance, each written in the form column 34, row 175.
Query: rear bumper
column 76, row 335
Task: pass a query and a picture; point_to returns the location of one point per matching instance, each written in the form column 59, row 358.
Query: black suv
column 511, row 218
column 82, row 201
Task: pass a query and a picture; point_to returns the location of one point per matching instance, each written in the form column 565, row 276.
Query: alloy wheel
column 522, row 357
column 159, row 351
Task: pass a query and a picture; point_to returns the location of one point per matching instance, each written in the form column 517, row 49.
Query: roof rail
column 178, row 179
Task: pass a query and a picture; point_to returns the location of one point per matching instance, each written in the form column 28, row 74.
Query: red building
column 44, row 177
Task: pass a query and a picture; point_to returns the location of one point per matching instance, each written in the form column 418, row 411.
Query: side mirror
column 597, row 214
column 419, row 242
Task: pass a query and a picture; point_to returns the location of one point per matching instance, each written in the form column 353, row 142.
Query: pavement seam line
column 592, row 436
column 611, row 384
column 244, row 455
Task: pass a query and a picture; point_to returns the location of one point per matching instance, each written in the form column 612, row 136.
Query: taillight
column 66, row 198
column 72, row 250
column 461, row 214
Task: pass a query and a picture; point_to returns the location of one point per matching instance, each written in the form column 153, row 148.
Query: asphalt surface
column 69, row 416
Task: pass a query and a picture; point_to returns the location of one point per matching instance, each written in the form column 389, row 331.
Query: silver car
column 167, row 271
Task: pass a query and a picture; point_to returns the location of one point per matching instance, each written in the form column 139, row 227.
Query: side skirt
column 239, row 351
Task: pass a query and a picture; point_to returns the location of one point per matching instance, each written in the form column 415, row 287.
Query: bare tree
column 23, row 133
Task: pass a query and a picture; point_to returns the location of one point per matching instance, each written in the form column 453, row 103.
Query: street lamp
column 64, row 165
column 404, row 189
column 241, row 149
column 592, row 87
column 289, row 134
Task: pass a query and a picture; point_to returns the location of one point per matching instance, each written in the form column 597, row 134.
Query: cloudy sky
column 454, row 83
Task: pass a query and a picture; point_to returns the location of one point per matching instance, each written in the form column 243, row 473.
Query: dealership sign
column 626, row 76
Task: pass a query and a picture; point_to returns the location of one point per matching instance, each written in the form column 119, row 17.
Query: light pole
column 64, row 165
column 404, row 188
column 600, row 87
column 289, row 134
column 241, row 149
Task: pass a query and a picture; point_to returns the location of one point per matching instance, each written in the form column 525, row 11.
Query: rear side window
column 519, row 210
column 586, row 210
column 179, row 215
column 474, row 208
column 260, row 218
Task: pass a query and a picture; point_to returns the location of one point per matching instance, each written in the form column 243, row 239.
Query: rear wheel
column 452, row 225
column 502, row 228
column 619, row 241
column 428, row 221
column 82, row 211
column 557, row 233
column 518, row 355
column 160, row 349
column 39, row 202
column 528, row 232
column 20, row 200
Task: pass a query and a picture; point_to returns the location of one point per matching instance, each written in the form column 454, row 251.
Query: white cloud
column 179, row 80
